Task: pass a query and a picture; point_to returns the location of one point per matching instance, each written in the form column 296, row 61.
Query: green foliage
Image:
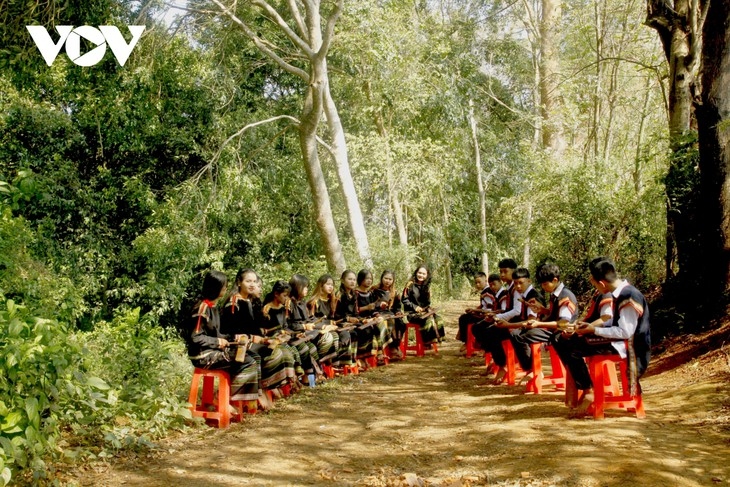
column 37, row 376
column 117, row 387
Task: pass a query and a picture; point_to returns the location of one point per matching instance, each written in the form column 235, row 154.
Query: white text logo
column 101, row 37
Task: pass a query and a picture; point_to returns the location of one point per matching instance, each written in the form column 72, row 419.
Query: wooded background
column 311, row 136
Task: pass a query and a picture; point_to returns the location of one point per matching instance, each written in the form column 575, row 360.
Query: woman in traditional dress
column 416, row 300
column 386, row 292
column 322, row 306
column 367, row 307
column 345, row 312
column 240, row 318
column 208, row 348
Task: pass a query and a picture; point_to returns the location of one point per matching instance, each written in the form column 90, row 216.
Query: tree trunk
column 392, row 187
column 339, row 149
column 480, row 187
column 309, row 121
column 552, row 136
column 526, row 254
column 713, row 121
column 677, row 27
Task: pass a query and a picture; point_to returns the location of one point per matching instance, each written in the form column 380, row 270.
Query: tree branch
column 329, row 32
column 276, row 18
column 298, row 19
column 250, row 126
column 262, row 46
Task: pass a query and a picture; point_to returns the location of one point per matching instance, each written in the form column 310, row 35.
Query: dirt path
column 433, row 421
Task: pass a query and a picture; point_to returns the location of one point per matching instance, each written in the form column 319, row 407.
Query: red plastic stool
column 328, row 371
column 603, row 371
column 221, row 414
column 419, row 347
column 350, row 370
column 471, row 343
column 558, row 371
column 513, row 367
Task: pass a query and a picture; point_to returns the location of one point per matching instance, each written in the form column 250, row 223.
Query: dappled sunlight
column 435, row 417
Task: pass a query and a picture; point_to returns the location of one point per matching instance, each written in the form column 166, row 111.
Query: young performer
column 375, row 337
column 345, row 311
column 274, row 325
column 628, row 325
column 323, row 305
column 562, row 310
column 416, row 300
column 240, row 318
column 527, row 296
column 489, row 336
column 487, row 302
column 209, row 349
column 386, row 292
column 323, row 345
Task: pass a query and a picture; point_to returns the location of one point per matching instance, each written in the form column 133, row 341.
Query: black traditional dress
column 202, row 339
column 415, row 295
column 396, row 326
column 277, row 363
column 346, row 309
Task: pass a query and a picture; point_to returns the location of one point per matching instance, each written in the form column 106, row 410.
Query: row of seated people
column 280, row 340
column 616, row 322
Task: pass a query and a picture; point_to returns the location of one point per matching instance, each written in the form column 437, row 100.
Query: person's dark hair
column 298, row 282
column 507, row 264
column 480, row 274
column 213, row 284
column 243, row 272
column 493, row 277
column 320, row 285
column 385, row 273
column 547, row 272
column 279, row 287
column 603, row 269
column 239, row 278
column 362, row 275
column 520, row 272
column 427, row 282
column 345, row 273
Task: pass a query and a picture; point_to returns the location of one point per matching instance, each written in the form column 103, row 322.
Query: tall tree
column 713, row 120
column 552, row 132
column 679, row 26
column 312, row 35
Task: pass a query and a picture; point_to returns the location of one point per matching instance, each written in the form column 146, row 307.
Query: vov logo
column 101, row 37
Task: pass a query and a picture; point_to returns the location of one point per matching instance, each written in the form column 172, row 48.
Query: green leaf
column 15, row 327
column 11, row 422
column 31, row 409
column 97, row 383
column 6, row 476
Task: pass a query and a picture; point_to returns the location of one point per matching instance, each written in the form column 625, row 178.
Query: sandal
column 500, row 377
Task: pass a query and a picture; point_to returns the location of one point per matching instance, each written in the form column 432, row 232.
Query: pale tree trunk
column 526, row 254
column 552, row 133
column 713, row 120
column 309, row 121
column 312, row 43
column 449, row 277
column 339, row 150
column 480, row 187
column 394, row 197
column 640, row 137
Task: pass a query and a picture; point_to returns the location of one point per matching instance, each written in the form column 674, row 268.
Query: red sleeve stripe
column 630, row 302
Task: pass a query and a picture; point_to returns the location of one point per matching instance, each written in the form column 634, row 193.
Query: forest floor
column 434, row 421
